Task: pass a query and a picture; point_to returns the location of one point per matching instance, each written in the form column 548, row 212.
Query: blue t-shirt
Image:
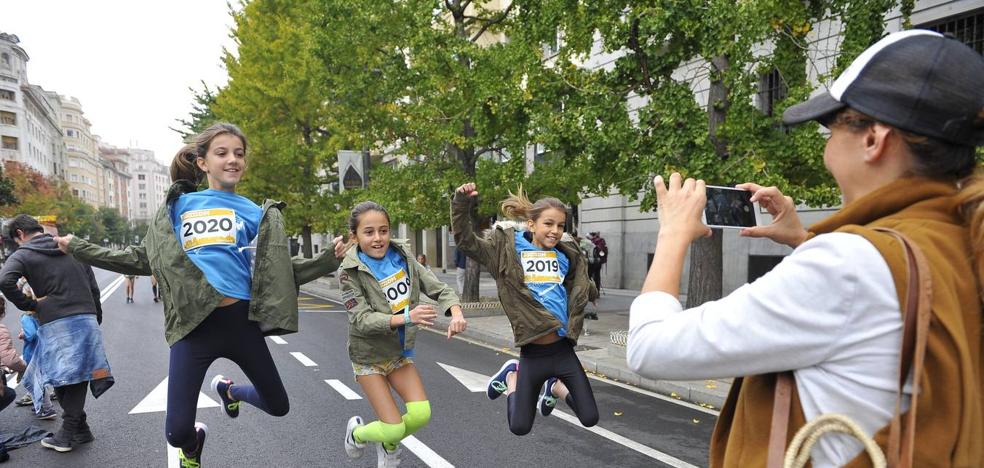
column 544, row 272
column 218, row 232
column 392, row 273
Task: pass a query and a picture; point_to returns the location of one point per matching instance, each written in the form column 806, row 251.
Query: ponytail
column 183, row 167
column 519, row 208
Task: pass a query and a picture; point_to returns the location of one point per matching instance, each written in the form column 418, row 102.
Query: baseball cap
column 917, row 80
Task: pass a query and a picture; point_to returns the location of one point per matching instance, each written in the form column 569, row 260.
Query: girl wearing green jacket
column 381, row 285
column 226, row 278
column 542, row 279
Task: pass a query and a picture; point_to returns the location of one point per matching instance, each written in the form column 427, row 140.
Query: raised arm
column 465, row 238
column 129, row 261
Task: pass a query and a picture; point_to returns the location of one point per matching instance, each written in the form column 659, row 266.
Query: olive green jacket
column 187, row 294
column 529, row 318
column 371, row 339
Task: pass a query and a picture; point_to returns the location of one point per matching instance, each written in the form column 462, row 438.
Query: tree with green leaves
column 645, row 113
column 276, row 93
column 201, row 115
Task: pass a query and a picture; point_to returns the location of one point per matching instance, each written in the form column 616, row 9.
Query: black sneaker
column 497, row 383
column 221, row 386
column 57, row 442
column 194, row 460
column 83, row 437
column 547, row 401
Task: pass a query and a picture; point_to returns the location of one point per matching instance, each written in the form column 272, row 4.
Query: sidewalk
column 601, row 348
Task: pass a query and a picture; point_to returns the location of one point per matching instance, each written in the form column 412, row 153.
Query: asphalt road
column 466, row 429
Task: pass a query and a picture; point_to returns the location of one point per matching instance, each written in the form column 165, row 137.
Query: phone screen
column 729, row 207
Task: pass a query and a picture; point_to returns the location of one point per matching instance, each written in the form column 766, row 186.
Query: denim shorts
column 381, row 368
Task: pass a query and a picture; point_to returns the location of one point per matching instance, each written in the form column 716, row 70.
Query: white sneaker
column 387, row 459
column 353, row 448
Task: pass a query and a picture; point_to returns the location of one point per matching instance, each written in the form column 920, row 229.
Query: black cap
column 917, row 80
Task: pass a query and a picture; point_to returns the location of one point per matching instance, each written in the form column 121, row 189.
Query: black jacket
column 67, row 286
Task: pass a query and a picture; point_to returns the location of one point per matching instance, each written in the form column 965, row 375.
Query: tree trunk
column 705, row 283
column 306, row 238
column 706, row 263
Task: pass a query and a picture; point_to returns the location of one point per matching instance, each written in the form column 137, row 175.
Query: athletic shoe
column 547, row 399
column 353, row 448
column 25, row 400
column 387, row 459
column 221, row 386
column 57, row 442
column 49, row 414
column 497, row 383
column 194, row 460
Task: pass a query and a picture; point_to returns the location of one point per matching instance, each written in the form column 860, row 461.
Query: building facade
column 30, row 131
column 148, row 184
column 84, row 174
column 116, row 178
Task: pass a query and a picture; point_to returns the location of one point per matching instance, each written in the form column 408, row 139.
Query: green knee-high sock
column 389, row 435
column 418, row 415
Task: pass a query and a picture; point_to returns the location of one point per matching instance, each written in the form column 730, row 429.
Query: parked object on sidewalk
column 541, row 277
column 877, row 310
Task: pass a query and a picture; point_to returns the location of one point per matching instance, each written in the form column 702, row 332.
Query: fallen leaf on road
column 674, row 395
column 705, row 405
column 618, row 413
column 710, row 384
column 696, row 421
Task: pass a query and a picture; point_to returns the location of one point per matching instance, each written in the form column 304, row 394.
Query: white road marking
column 172, row 457
column 109, row 290
column 425, row 454
column 156, row 400
column 277, row 339
column 626, row 442
column 473, row 381
column 343, row 389
column 304, row 359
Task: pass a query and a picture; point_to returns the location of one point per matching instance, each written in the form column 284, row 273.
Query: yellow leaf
column 618, row 413
column 696, row 421
column 710, row 384
column 674, row 395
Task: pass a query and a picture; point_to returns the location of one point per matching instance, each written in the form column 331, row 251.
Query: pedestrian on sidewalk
column 821, row 332
column 220, row 299
column 130, row 283
column 460, row 262
column 70, row 354
column 543, row 285
column 598, row 258
column 381, row 288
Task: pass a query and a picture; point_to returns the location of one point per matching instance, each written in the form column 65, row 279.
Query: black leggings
column 537, row 363
column 225, row 333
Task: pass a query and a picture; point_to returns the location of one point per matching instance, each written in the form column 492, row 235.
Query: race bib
column 396, row 288
column 541, row 267
column 215, row 226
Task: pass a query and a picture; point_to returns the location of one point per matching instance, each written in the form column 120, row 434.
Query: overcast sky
column 130, row 63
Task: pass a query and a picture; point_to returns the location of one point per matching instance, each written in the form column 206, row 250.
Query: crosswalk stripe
column 304, row 359
column 277, row 339
column 425, row 454
column 343, row 389
column 626, row 442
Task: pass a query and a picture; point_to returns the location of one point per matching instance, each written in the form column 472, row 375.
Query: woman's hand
column 63, row 242
column 680, row 206
column 458, row 323
column 469, row 189
column 423, row 314
column 786, row 227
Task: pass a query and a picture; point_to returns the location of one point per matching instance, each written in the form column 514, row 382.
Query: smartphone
column 728, row 207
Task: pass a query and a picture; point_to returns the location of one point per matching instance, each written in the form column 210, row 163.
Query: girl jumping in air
column 226, row 278
column 543, row 284
column 381, row 286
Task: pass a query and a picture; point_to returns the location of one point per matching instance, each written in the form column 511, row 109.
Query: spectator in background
column 459, row 265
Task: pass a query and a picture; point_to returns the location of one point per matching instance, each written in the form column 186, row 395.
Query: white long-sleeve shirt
column 829, row 312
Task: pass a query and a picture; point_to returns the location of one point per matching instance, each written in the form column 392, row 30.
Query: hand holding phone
column 785, row 227
column 730, row 208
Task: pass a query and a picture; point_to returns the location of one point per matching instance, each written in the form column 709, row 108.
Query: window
column 75, row 192
column 5, row 59
column 142, row 187
column 772, row 90
column 8, row 142
column 8, row 118
column 140, row 177
column 967, row 28
column 143, row 205
column 7, row 95
column 143, row 196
